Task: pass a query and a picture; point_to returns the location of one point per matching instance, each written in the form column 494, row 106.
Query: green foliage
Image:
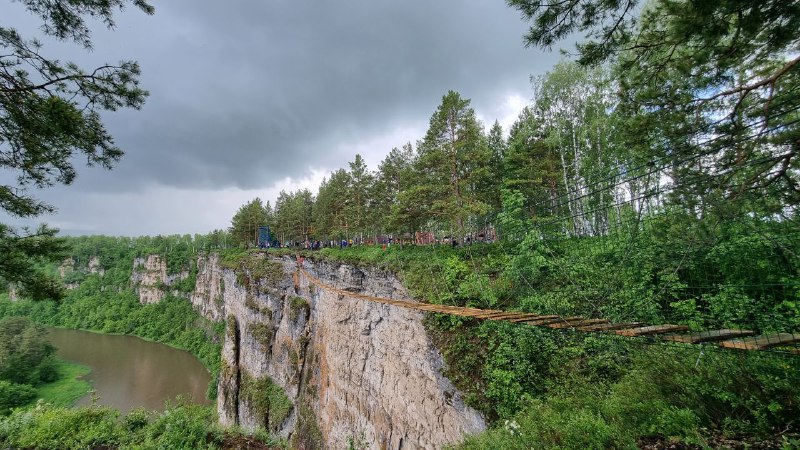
column 678, row 78
column 395, row 177
column 329, row 213
column 294, row 216
column 262, row 333
column 181, row 426
column 23, row 257
column 586, row 419
column 357, row 442
column 266, row 399
column 307, row 433
column 733, row 392
column 247, row 220
column 68, row 386
column 50, row 118
column 453, row 161
column 51, row 108
column 47, row 427
column 13, row 395
column 24, row 352
column 187, row 285
column 358, row 195
column 252, row 266
column 298, row 306
column 137, row 419
column 667, row 392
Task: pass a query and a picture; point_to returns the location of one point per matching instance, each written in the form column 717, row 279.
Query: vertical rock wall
column 150, row 279
column 352, row 368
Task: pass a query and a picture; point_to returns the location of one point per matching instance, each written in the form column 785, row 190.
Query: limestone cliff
column 150, row 279
column 207, row 297
column 95, row 267
column 352, row 368
column 67, row 269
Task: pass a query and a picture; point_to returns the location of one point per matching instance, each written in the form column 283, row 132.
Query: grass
column 68, row 388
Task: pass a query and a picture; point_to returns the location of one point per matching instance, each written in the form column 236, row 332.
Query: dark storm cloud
column 254, row 96
column 246, row 93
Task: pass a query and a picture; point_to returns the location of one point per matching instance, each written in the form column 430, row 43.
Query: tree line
column 577, row 155
column 450, row 181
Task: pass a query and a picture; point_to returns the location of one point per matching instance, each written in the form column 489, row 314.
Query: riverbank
column 172, row 321
column 129, row 372
column 67, row 388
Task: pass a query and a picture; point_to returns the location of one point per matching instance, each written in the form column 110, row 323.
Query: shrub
column 47, row 427
column 23, row 349
column 13, row 395
column 298, row 306
column 266, row 399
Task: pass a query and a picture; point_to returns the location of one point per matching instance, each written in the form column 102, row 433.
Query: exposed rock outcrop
column 150, row 279
column 351, row 367
column 13, row 295
column 67, row 267
column 95, row 267
column 65, row 270
column 207, row 297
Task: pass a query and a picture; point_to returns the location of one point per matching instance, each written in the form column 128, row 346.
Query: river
column 129, row 372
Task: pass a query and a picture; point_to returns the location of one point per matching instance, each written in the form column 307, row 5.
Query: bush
column 183, row 426
column 47, row 427
column 266, row 399
column 48, row 370
column 51, row 428
column 24, row 351
column 13, row 395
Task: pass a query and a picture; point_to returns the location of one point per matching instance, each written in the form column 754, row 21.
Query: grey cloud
column 246, row 93
column 250, row 92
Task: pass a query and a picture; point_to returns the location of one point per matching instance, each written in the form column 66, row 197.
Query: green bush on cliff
column 298, row 306
column 266, row 399
column 252, row 265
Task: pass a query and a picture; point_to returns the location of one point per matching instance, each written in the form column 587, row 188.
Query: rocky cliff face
column 207, row 297
column 150, row 279
column 95, row 267
column 67, row 268
column 352, row 369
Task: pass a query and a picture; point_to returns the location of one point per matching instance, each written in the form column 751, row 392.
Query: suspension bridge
column 728, row 338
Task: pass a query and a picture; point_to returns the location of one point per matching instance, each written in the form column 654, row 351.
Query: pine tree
column 358, row 196
column 246, row 221
column 330, row 220
column 50, row 117
column 454, row 163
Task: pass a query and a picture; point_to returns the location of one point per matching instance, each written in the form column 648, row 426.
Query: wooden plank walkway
column 763, row 342
column 728, row 338
column 707, row 336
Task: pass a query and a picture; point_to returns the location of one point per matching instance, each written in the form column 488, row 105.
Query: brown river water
column 129, row 372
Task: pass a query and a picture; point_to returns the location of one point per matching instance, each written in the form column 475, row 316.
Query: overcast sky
column 254, row 96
